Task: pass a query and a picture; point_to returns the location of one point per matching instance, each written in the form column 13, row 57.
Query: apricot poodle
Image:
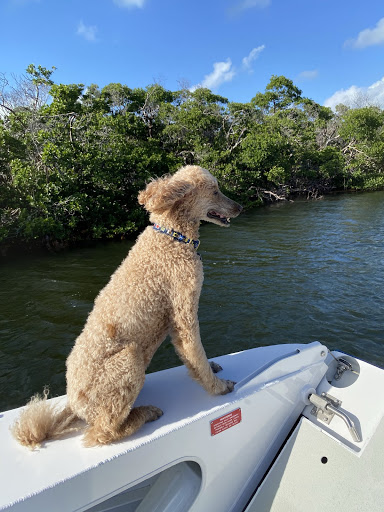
column 154, row 292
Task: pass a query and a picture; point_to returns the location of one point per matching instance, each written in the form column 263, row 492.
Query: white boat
column 302, row 431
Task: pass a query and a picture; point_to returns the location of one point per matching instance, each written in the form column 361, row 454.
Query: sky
column 333, row 50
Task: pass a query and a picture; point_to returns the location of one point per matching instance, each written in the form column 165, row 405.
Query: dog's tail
column 41, row 420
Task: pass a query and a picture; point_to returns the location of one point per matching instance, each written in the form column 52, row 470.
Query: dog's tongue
column 222, row 218
column 213, row 212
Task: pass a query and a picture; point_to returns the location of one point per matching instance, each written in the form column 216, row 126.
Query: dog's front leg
column 187, row 342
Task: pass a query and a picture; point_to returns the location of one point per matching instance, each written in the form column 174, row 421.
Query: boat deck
column 321, row 467
column 182, row 400
column 314, row 472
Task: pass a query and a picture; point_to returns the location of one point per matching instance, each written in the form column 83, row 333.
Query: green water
column 295, row 272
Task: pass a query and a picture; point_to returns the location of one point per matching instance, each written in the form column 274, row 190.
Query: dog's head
column 191, row 193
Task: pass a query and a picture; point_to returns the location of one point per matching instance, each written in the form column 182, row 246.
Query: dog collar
column 177, row 236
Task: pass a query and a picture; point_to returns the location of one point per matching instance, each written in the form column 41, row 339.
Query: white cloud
column 253, row 54
column 87, row 31
column 308, row 75
column 369, row 36
column 222, row 72
column 129, row 3
column 358, row 96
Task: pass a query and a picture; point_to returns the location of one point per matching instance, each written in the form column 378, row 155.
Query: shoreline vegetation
column 73, row 158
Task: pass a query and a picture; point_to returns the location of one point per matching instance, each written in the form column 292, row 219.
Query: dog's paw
column 223, row 386
column 215, row 367
column 229, row 386
column 153, row 413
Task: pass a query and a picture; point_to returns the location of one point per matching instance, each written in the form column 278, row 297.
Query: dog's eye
column 215, row 193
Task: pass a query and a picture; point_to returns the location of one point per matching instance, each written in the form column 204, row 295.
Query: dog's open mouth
column 212, row 214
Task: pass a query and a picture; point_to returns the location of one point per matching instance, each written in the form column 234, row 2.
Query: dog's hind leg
column 120, row 381
column 103, row 433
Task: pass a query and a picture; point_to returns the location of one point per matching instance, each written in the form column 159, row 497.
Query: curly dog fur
column 154, row 292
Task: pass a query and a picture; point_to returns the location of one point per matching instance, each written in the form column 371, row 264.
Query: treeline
column 73, row 158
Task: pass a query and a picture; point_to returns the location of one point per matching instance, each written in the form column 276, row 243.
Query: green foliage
column 330, row 163
column 279, row 94
column 277, row 175
column 71, row 166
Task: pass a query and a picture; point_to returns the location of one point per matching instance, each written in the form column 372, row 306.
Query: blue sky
column 332, row 49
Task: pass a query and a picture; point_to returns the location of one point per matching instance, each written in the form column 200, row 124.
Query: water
column 295, row 272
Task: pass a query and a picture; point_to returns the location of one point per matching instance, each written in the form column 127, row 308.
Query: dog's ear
column 161, row 194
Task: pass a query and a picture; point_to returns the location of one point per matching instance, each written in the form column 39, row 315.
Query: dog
column 154, row 293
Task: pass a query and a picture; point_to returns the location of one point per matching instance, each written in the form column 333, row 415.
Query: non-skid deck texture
column 316, row 473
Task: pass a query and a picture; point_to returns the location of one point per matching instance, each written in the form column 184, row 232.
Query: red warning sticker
column 225, row 422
